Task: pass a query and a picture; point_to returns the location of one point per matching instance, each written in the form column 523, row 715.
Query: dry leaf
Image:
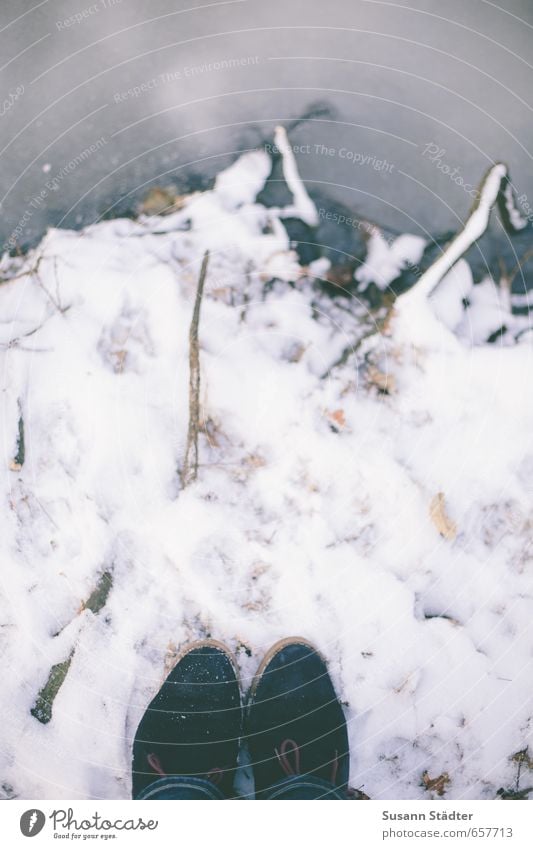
column 354, row 793
column 14, row 466
column 161, row 200
column 523, row 757
column 255, row 461
column 337, row 419
column 384, row 382
column 439, row 517
column 243, row 646
column 157, row 201
column 220, row 291
column 436, row 785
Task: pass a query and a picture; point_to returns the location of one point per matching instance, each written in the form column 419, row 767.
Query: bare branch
column 29, row 273
column 378, row 326
column 189, row 472
column 56, row 301
column 518, row 267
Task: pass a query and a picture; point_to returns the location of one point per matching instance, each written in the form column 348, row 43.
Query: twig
column 518, row 267
column 14, row 343
column 30, row 272
column 379, row 325
column 189, row 471
column 34, row 272
column 56, row 301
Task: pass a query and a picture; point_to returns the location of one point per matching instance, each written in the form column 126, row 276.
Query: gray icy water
column 101, row 98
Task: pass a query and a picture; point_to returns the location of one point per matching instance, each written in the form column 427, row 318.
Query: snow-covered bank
column 384, row 512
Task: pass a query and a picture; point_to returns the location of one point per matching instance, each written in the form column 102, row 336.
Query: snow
column 385, row 260
column 517, row 221
column 489, row 310
column 448, row 299
column 310, row 515
column 241, row 182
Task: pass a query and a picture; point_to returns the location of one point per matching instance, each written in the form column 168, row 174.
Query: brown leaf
column 255, row 461
column 384, row 382
column 337, row 419
column 523, row 757
column 439, row 517
column 436, row 785
column 354, row 793
column 160, row 200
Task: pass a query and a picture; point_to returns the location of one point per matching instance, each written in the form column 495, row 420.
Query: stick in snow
column 189, row 471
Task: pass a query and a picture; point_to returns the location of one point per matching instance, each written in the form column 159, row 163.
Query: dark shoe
column 295, row 724
column 193, row 725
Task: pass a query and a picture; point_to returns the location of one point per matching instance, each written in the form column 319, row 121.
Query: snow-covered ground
column 392, row 528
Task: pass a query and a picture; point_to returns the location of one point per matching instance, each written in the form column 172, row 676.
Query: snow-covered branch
column 303, row 207
column 493, row 184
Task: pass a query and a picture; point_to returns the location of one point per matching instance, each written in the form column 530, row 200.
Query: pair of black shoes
column 293, row 722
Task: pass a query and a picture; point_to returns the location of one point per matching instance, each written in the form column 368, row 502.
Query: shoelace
column 287, row 748
column 290, row 748
column 214, row 775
